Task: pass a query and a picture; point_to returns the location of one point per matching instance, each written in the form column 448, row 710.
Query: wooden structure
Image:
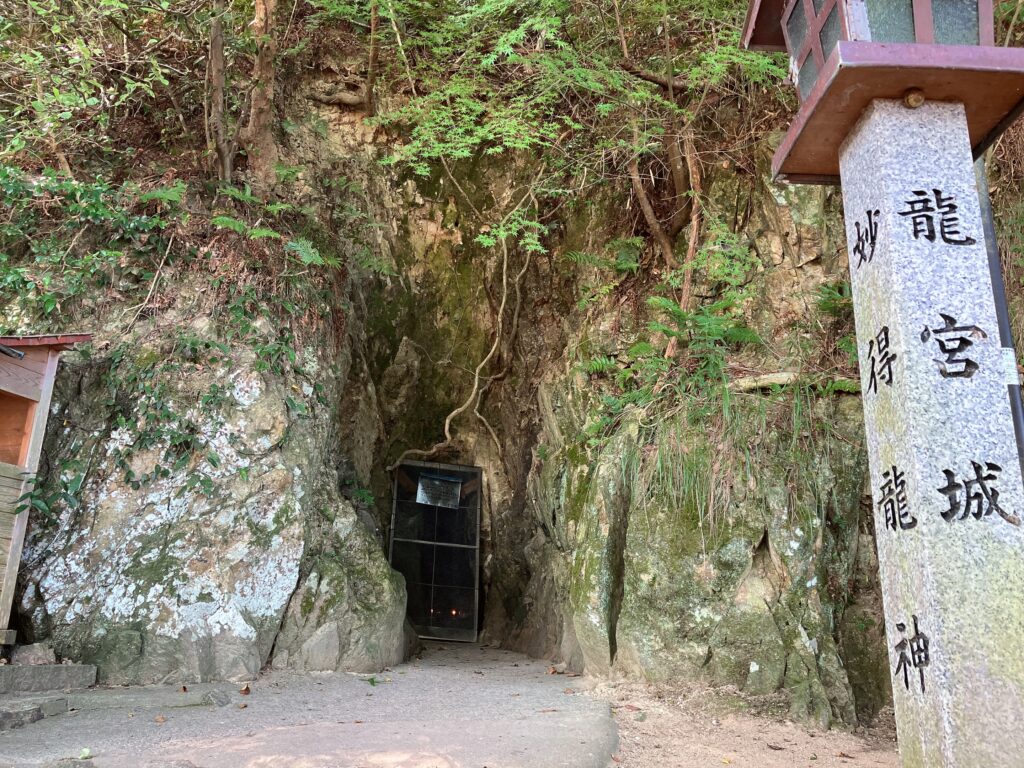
column 28, row 366
column 846, row 53
column 435, row 544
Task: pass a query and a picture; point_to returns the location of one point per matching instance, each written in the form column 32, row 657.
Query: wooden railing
column 14, row 482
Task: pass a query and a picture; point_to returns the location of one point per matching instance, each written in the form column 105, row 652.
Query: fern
column 835, row 299
column 229, row 222
column 305, row 252
column 172, row 194
column 641, row 349
column 600, row 365
column 588, row 259
column 257, row 233
column 242, row 196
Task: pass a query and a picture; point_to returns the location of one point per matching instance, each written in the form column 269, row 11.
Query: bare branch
column 657, row 231
column 673, row 84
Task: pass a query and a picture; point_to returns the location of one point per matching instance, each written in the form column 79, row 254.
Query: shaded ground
column 457, row 706
column 675, row 727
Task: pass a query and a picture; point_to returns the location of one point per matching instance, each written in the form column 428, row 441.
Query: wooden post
column 26, row 385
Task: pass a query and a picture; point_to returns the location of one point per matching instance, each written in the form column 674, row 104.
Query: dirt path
column 672, row 727
column 458, row 706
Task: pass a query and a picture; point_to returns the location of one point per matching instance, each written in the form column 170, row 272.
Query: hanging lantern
column 845, row 53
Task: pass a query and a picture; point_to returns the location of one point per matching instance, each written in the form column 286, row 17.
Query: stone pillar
column 937, row 381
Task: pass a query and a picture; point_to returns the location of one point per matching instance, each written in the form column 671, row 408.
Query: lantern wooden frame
column 988, row 80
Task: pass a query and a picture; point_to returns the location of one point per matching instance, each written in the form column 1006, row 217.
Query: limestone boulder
column 349, row 612
column 191, row 530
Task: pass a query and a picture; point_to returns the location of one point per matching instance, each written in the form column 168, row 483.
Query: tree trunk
column 218, row 128
column 371, row 65
column 259, row 133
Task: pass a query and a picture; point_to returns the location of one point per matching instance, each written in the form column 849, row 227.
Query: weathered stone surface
column 861, row 635
column 52, row 706
column 16, row 714
column 687, row 599
column 950, row 539
column 185, row 574
column 349, row 613
column 156, row 585
column 217, row 698
column 37, row 653
column 46, row 677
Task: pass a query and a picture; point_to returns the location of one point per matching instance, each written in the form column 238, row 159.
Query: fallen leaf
column 548, row 709
column 631, row 707
column 726, row 761
column 776, row 748
column 159, row 719
column 357, row 721
column 569, row 691
column 245, row 690
column 243, row 705
column 616, row 758
column 844, row 756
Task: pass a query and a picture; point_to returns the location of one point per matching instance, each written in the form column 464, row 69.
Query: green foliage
column 80, row 79
column 307, row 254
column 363, row 496
column 44, row 501
column 600, row 365
column 230, row 222
column 835, row 299
column 61, row 241
column 495, row 77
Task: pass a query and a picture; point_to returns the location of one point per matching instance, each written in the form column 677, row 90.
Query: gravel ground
column 687, row 727
column 457, row 705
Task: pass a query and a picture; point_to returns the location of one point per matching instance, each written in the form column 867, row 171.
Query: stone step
column 17, row 711
column 39, row 678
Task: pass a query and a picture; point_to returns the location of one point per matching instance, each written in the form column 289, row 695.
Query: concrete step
column 39, row 678
column 16, row 711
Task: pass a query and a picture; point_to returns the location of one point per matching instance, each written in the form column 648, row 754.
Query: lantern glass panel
column 808, row 75
column 830, row 32
column 797, row 28
column 891, row 21
column 956, row 22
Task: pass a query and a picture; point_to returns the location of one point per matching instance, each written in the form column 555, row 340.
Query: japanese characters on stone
column 912, row 654
column 867, row 238
column 934, row 214
column 971, row 492
column 953, row 340
column 880, row 360
column 974, row 494
column 893, row 501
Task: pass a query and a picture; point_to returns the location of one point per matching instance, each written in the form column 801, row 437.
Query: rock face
column 682, row 547
column 658, row 589
column 184, row 570
column 727, row 548
column 344, row 616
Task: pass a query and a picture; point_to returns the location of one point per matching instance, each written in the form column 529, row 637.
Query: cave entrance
column 435, row 544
